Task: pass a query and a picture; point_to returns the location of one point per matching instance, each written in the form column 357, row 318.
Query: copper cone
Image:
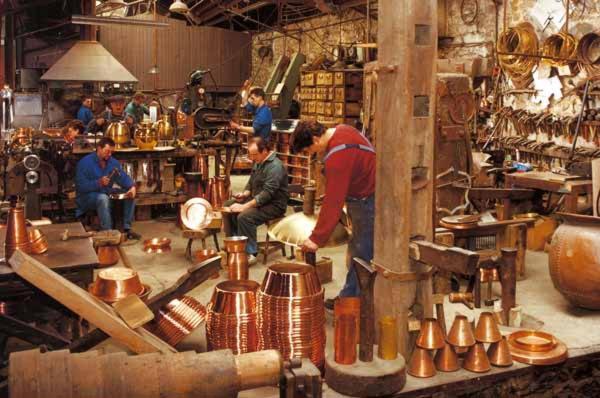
column 16, row 232
column 446, row 359
column 461, row 333
column 421, row 364
column 431, row 336
column 499, row 353
column 487, row 329
column 476, row 359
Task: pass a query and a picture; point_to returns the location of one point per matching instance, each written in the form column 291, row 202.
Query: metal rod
column 580, row 118
column 90, row 20
column 42, row 30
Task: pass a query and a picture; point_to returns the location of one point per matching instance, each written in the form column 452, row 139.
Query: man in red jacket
column 349, row 160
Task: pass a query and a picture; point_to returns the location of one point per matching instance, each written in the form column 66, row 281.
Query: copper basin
column 157, row 245
column 234, row 297
column 574, row 260
column 114, row 284
column 291, row 280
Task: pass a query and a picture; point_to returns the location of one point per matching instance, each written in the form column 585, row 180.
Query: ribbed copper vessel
column 231, row 320
column 16, row 232
column 237, row 258
column 178, row 319
column 291, row 315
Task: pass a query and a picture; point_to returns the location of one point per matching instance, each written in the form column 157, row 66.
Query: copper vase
column 476, row 359
column 446, row 359
column 221, row 191
column 499, row 353
column 344, row 344
column 16, row 232
column 421, row 364
column 237, row 258
column 461, row 333
column 201, row 166
column 431, row 336
column 487, row 329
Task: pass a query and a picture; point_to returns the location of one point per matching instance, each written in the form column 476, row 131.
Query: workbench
column 549, row 182
column 73, row 259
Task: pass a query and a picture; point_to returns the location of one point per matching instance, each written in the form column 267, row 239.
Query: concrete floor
column 543, row 307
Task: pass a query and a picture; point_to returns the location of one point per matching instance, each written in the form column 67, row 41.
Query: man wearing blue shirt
column 94, row 178
column 261, row 125
column 85, row 110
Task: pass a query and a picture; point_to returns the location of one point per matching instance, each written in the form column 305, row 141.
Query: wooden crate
column 324, row 78
column 344, row 109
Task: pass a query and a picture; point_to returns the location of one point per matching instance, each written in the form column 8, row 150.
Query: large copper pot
column 575, row 260
column 119, row 133
column 164, row 129
column 16, row 232
column 145, row 136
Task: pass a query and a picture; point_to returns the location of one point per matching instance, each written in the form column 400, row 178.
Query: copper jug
column 221, row 191
column 237, row 258
column 201, row 166
column 16, row 232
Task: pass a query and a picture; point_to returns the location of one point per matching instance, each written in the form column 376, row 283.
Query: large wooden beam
column 407, row 43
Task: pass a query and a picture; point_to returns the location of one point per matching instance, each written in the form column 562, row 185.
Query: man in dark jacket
column 264, row 198
column 116, row 113
column 94, row 179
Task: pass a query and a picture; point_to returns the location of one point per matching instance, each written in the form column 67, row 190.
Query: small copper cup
column 477, row 360
column 421, row 364
column 431, row 336
column 107, row 255
column 345, row 339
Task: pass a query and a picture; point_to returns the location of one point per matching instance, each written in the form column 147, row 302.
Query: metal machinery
column 282, row 83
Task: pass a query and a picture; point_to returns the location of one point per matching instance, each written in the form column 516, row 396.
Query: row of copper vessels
column 216, row 189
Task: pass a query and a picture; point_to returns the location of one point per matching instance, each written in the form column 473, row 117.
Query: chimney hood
column 88, row 61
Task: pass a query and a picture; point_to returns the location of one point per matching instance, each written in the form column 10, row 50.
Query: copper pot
column 575, row 260
column 237, row 258
column 146, row 137
column 157, row 245
column 16, row 232
column 107, row 255
column 38, row 241
column 119, row 132
column 222, row 191
column 114, row 284
column 164, row 129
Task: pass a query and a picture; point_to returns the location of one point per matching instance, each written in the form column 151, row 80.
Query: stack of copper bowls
column 178, row 319
column 291, row 316
column 231, row 317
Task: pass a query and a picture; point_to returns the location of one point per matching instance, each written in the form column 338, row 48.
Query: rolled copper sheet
column 231, row 317
column 291, row 315
column 178, row 319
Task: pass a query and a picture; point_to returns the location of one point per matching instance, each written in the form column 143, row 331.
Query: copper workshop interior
column 299, row 198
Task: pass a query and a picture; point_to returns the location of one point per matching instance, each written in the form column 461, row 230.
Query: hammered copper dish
column 196, row 214
column 114, row 284
column 16, row 232
column 157, row 245
column 37, row 240
column 536, row 348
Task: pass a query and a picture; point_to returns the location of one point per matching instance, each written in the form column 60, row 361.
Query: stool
column 191, row 235
column 274, row 245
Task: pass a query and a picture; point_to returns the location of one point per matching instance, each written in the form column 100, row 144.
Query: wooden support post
column 515, row 237
column 407, row 44
column 441, row 278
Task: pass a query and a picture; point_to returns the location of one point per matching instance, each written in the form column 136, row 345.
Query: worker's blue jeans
column 102, row 203
column 362, row 217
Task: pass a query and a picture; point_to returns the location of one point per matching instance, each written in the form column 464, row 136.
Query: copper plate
column 196, row 214
column 157, row 245
column 532, row 341
column 557, row 354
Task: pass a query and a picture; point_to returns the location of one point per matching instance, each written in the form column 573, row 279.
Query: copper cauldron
column 145, row 136
column 119, row 133
column 164, row 129
column 575, row 260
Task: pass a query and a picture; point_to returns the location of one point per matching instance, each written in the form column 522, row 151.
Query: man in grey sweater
column 264, row 198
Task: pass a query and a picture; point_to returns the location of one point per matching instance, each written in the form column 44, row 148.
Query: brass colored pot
column 119, row 132
column 146, row 136
column 575, row 260
column 164, row 129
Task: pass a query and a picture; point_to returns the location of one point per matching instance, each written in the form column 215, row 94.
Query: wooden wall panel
column 181, row 49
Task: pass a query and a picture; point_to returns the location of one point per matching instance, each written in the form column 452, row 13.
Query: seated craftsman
column 264, row 198
column 115, row 113
column 94, row 179
column 74, row 128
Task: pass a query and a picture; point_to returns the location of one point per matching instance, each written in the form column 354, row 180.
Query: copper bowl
column 234, row 297
column 114, row 284
column 37, row 240
column 157, row 245
column 291, row 280
column 178, row 319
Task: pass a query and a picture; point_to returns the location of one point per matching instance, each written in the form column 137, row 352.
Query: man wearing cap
column 115, row 113
column 136, row 108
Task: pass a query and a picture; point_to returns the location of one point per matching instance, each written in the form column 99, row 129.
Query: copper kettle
column 16, row 231
column 119, row 132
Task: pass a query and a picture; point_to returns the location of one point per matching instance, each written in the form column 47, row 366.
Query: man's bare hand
column 100, row 121
column 132, row 192
column 309, row 246
column 237, row 208
column 104, row 181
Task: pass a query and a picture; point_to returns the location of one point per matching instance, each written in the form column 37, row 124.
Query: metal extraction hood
column 88, row 61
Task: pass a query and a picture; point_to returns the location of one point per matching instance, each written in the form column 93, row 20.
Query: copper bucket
column 16, row 232
column 237, row 258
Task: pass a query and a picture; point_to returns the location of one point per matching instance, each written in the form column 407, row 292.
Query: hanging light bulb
column 179, row 7
column 154, row 70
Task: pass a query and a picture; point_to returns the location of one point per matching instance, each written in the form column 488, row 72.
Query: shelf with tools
column 332, row 97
